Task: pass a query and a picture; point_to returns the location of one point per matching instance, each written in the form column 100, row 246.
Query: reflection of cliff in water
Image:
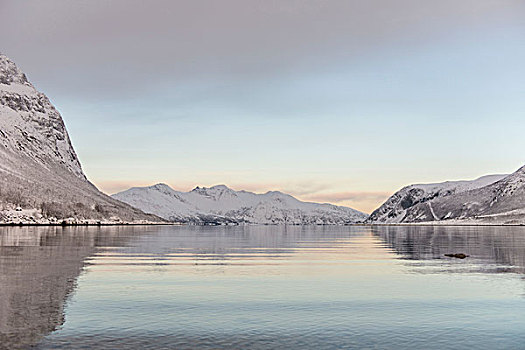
column 38, row 271
column 39, row 266
column 228, row 242
column 503, row 245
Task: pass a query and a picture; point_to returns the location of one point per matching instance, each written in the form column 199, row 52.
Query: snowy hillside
column 398, row 207
column 500, row 202
column 39, row 168
column 220, row 204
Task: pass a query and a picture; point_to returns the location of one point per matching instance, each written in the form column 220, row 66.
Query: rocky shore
column 34, row 217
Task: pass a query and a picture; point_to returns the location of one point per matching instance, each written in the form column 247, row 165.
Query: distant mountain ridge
column 39, row 168
column 221, row 205
column 498, row 199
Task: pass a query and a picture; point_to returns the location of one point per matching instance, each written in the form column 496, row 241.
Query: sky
column 331, row 101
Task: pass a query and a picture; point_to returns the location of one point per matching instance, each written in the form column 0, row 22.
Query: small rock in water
column 457, row 255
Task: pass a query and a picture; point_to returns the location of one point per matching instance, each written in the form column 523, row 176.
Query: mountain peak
column 161, row 185
column 276, row 193
column 220, row 187
column 214, row 189
column 10, row 73
column 216, row 192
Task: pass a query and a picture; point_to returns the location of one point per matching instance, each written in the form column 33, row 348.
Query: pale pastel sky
column 331, row 101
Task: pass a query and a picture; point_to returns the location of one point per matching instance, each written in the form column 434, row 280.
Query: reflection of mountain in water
column 503, row 245
column 39, row 266
column 38, row 271
column 229, row 242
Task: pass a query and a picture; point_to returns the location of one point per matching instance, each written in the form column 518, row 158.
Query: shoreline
column 445, row 225
column 16, row 224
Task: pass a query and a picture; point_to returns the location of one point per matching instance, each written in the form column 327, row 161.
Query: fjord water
column 261, row 287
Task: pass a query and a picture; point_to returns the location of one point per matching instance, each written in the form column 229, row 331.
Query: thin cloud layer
column 364, row 201
column 99, row 47
column 339, row 197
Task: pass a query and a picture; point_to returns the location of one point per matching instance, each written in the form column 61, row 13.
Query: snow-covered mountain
column 400, row 206
column 220, row 204
column 500, row 202
column 39, row 168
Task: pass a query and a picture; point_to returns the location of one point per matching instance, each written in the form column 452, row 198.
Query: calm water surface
column 262, row 287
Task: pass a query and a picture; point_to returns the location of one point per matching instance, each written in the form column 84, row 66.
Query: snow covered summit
column 220, row 204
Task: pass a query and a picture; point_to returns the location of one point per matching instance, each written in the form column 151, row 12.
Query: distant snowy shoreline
column 423, row 224
column 69, row 224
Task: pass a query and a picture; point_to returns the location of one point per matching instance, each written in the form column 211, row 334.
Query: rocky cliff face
column 39, row 168
column 30, row 125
